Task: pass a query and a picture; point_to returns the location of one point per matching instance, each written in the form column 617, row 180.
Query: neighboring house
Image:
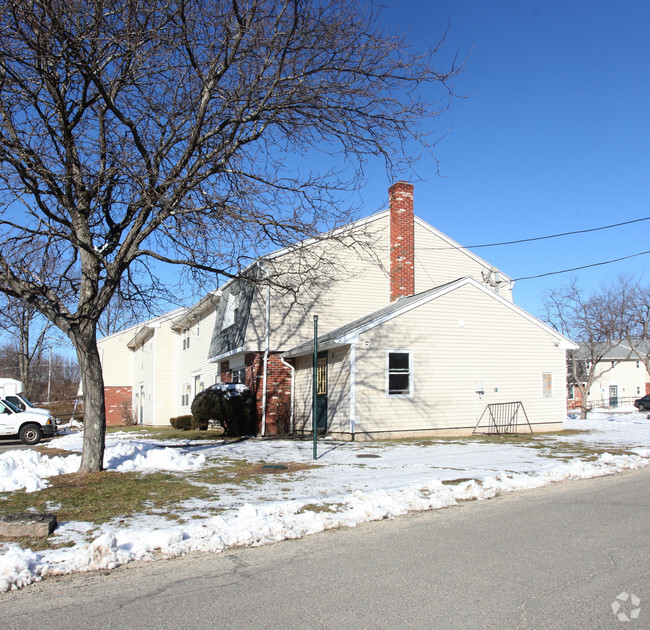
column 417, row 336
column 620, row 376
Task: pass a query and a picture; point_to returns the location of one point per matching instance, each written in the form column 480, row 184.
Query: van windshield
column 11, row 406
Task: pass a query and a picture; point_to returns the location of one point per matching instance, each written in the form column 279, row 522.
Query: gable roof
column 349, row 333
column 377, row 216
column 190, row 314
column 614, row 350
column 146, row 329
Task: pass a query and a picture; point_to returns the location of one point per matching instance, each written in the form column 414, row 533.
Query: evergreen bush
column 182, row 423
column 231, row 405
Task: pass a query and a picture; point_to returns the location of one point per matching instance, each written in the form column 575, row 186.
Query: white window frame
column 197, row 383
column 229, row 315
column 238, row 375
column 410, row 372
column 186, row 338
column 186, row 389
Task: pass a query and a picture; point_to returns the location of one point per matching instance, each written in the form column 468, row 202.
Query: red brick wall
column 278, row 390
column 117, row 399
column 402, row 241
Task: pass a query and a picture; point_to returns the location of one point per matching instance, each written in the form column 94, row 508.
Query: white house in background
column 622, row 377
column 417, row 336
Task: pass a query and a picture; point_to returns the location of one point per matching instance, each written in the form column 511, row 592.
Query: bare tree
column 32, row 336
column 595, row 320
column 199, row 133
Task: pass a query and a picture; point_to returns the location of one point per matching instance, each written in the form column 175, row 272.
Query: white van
column 29, row 426
column 18, row 400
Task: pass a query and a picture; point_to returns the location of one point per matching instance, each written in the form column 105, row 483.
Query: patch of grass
column 169, row 433
column 457, row 482
column 318, row 507
column 99, row 497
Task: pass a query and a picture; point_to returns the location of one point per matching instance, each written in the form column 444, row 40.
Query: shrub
column 181, row 423
column 199, row 423
column 229, row 404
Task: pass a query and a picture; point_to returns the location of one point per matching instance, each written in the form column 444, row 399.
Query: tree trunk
column 92, row 458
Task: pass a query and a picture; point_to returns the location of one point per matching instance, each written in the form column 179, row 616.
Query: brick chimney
column 402, row 238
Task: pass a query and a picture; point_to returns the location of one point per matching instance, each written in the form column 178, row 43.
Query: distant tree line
column 58, row 378
column 614, row 315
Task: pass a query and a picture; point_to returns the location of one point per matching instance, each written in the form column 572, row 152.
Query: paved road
column 556, row 558
column 11, row 444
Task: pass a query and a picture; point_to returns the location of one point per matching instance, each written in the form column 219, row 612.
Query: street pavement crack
column 524, row 612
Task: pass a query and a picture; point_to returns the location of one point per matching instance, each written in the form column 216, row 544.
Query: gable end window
column 399, row 373
column 232, row 312
column 547, row 385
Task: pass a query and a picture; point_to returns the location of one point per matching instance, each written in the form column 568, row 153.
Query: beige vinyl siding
column 156, row 368
column 350, row 282
column 458, row 341
column 165, row 403
column 338, row 391
column 116, row 358
column 144, row 376
column 303, row 394
column 193, row 361
column 439, row 260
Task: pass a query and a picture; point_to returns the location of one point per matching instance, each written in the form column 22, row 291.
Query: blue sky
column 552, row 137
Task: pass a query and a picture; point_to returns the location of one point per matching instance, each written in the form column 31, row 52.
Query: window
column 232, row 311
column 399, row 374
column 239, row 376
column 637, row 364
column 198, row 385
column 186, row 338
column 572, row 393
column 185, row 395
column 638, row 391
column 547, row 385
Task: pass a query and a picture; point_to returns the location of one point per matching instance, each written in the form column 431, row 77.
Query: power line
column 548, row 236
column 598, row 264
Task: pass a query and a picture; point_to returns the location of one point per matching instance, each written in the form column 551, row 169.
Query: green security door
column 321, row 392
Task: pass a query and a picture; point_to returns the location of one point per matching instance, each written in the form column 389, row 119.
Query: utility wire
column 598, row 264
column 542, row 238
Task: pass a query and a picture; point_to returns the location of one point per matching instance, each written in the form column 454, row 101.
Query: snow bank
column 29, row 469
column 350, row 491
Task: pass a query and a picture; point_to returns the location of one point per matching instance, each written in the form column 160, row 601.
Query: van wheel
column 31, row 434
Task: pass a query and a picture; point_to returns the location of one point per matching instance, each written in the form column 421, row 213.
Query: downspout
column 293, row 389
column 353, row 387
column 266, row 351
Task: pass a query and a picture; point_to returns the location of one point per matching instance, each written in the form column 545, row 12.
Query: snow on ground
column 353, row 483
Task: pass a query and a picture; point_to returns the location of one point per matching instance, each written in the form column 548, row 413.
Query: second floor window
column 231, row 313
